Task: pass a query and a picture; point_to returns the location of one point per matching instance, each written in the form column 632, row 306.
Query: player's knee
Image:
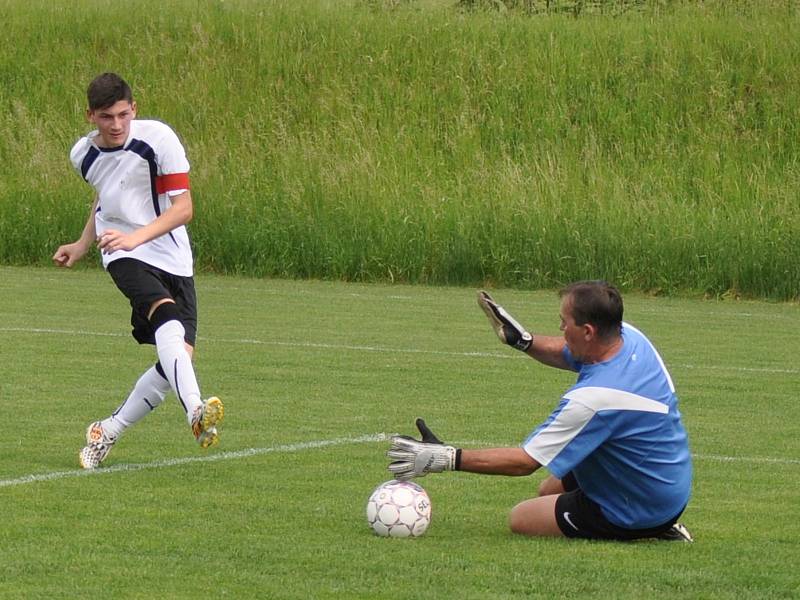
column 535, row 517
column 167, row 323
column 519, row 519
column 163, row 313
column 514, row 520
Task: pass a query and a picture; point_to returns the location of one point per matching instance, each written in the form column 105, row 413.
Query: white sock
column 177, row 365
column 146, row 395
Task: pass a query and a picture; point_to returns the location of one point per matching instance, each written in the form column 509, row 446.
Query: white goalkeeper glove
column 505, row 326
column 416, row 458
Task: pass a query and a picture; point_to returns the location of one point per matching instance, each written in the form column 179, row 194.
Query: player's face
column 113, row 123
column 576, row 336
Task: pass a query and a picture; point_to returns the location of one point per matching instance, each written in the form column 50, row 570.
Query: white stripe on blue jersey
column 603, row 398
column 585, row 402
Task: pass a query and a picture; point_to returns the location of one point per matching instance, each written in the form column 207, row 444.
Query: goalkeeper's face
column 577, row 337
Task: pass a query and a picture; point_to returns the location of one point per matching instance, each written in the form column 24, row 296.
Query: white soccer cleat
column 98, row 445
column 204, row 421
column 677, row 533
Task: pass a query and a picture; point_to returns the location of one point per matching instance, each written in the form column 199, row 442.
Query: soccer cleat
column 98, row 445
column 204, row 421
column 677, row 533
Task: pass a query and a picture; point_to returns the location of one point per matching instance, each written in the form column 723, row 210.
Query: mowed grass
column 301, row 363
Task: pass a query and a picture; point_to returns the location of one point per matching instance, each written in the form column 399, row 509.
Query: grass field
column 314, row 375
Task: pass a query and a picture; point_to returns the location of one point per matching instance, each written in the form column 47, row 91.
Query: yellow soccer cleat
column 204, row 422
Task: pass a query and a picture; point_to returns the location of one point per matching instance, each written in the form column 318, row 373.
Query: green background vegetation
column 654, row 144
column 298, row 362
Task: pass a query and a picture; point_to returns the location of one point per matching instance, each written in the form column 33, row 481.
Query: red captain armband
column 172, row 182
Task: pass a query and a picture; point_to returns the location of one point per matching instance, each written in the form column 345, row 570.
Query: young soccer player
column 140, row 174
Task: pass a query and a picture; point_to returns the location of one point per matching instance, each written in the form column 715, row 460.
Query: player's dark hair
column 106, row 90
column 598, row 303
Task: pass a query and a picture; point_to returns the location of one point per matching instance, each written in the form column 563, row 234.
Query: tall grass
column 417, row 142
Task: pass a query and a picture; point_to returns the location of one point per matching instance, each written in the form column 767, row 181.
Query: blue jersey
column 619, row 431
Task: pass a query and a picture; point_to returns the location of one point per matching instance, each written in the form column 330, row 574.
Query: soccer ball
column 399, row 509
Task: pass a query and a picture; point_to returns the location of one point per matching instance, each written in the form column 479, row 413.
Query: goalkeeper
column 615, row 446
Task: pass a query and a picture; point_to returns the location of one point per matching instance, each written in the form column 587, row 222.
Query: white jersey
column 125, row 180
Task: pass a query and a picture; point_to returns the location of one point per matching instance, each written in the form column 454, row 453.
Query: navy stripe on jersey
column 144, row 150
column 88, row 161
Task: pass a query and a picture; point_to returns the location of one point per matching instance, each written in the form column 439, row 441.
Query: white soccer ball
column 399, row 509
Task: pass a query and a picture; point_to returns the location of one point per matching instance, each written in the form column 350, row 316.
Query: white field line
column 175, row 462
column 769, row 460
column 749, row 459
column 507, row 356
column 299, row 447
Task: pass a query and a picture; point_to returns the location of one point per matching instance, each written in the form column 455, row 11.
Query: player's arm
column 179, row 213
column 549, row 350
column 416, row 458
column 546, row 349
column 68, row 254
column 498, row 461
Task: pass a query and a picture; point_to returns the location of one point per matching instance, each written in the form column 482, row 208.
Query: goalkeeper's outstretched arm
column 549, row 350
column 416, row 458
column 498, row 461
column 544, row 348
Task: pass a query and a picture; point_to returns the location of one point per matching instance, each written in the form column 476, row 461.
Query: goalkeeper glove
column 505, row 326
column 416, row 458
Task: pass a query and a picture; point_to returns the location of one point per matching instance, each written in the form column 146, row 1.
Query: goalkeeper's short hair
column 598, row 303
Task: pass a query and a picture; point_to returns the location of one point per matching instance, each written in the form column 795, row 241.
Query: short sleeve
column 171, row 157
column 170, row 154
column 566, row 438
column 77, row 156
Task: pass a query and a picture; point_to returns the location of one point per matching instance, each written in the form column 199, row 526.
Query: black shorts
column 579, row 517
column 144, row 284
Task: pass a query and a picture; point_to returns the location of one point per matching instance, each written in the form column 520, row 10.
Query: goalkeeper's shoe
column 677, row 533
column 98, row 445
column 205, row 419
